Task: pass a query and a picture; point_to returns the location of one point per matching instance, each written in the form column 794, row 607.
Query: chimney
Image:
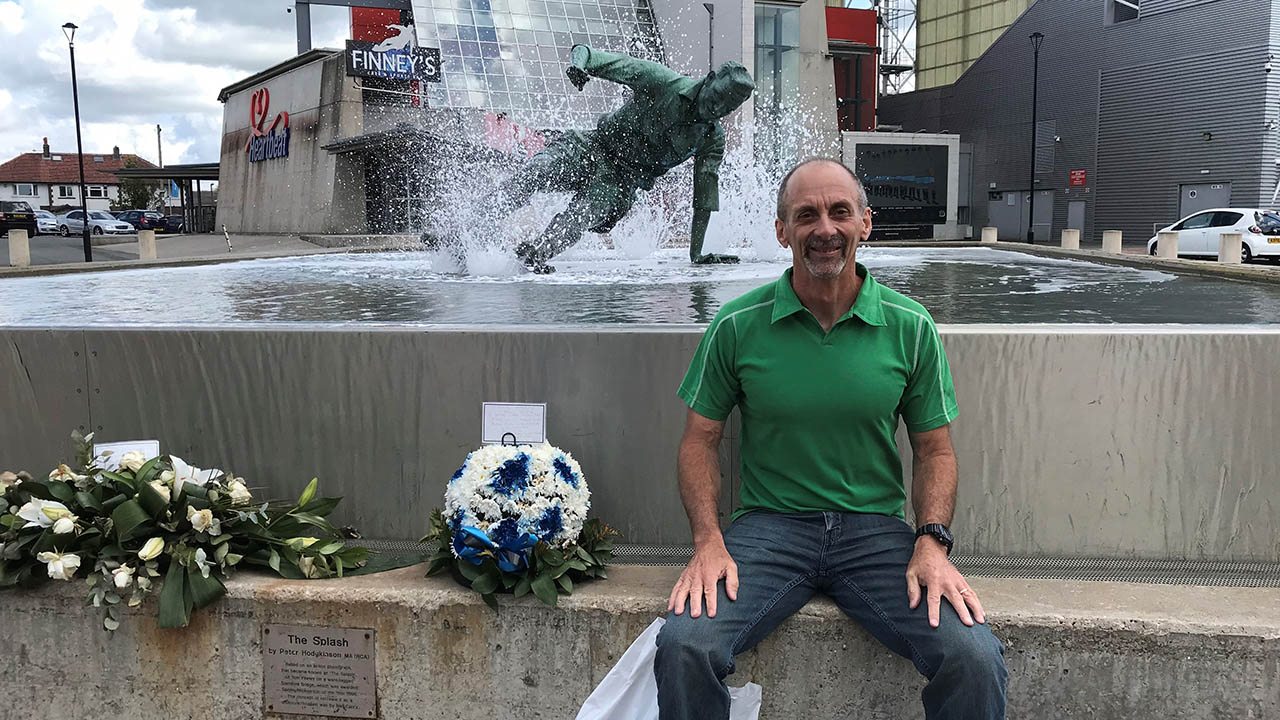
column 115, row 152
column 46, row 148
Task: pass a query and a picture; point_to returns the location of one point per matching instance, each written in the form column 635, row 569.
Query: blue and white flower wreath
column 515, row 519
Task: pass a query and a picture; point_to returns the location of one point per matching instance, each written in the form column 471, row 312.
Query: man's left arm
column 928, row 408
column 930, row 574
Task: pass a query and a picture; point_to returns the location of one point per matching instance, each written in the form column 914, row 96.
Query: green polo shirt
column 820, row 409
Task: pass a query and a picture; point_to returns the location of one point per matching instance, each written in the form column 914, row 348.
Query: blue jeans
column 860, row 561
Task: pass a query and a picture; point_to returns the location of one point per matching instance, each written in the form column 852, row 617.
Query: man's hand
column 930, row 570
column 577, row 76
column 709, row 565
column 577, row 70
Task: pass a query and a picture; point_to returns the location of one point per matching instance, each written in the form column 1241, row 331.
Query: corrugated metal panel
column 1046, row 131
column 1148, row 8
column 1151, row 123
column 990, row 105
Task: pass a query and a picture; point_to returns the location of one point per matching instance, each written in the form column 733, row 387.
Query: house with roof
column 51, row 181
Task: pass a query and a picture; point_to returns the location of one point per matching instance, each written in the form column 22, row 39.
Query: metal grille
column 1151, row 572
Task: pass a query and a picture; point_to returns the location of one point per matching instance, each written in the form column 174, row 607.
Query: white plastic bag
column 630, row 692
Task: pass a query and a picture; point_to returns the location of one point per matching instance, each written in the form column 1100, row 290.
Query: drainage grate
column 1152, row 572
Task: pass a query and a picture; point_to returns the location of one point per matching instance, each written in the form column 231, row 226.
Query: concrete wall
column 1073, row 650
column 1129, row 102
column 1073, row 441
column 310, row 190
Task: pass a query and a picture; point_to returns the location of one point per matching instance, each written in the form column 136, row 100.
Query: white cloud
column 11, row 17
column 139, row 63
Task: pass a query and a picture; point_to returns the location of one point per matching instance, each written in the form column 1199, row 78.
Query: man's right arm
column 699, row 469
column 615, row 67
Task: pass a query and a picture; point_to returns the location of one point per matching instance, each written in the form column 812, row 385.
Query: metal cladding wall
column 1130, row 101
column 1084, row 441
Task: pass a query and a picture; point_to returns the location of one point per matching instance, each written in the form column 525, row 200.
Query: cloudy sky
column 139, row 63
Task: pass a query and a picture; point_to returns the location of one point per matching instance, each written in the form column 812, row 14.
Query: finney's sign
column 266, row 144
column 396, row 58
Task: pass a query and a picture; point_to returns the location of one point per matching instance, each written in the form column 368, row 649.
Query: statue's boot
column 564, row 231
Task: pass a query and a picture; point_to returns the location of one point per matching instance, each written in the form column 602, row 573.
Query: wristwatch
column 940, row 532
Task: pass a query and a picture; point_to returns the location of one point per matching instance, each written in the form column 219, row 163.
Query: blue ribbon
column 474, row 546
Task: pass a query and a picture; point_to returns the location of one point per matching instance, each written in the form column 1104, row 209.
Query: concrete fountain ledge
column 1075, row 650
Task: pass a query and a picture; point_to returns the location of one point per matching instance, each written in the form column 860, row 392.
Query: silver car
column 99, row 222
column 46, row 222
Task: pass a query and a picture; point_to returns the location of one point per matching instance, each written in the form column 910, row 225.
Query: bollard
column 989, row 235
column 1070, row 239
column 1111, row 240
column 19, row 248
column 1230, row 248
column 146, row 244
column 1167, row 245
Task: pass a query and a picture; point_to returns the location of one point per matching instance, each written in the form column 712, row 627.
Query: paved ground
column 56, row 250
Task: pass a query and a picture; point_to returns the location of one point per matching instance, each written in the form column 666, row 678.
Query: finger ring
column 965, row 591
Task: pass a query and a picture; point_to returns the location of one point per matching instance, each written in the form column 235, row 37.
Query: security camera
column 1267, row 67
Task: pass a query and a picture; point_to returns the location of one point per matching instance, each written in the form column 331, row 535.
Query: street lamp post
column 711, row 36
column 70, row 31
column 1036, row 40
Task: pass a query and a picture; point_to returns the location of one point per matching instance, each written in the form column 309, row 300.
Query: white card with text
column 148, row 448
column 526, row 422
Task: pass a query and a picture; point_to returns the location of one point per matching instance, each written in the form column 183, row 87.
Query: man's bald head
column 861, row 192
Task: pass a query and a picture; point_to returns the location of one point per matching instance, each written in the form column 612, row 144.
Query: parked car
column 1198, row 234
column 143, row 219
column 46, row 222
column 17, row 215
column 99, row 222
column 174, row 223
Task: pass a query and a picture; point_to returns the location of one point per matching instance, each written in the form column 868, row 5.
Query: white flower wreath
column 515, row 496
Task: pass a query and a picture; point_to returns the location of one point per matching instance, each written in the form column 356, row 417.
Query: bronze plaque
column 310, row 670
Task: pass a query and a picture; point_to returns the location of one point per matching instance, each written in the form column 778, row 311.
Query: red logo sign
column 259, row 102
column 1079, row 178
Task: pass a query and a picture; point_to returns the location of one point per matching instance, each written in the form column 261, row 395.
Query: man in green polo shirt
column 822, row 364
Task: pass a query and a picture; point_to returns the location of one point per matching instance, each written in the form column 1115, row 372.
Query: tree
column 138, row 194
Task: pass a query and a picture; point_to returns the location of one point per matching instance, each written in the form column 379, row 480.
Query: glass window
column 1122, row 10
column 24, row 189
column 467, row 32
column 66, row 191
column 97, row 191
column 1226, row 219
column 1195, row 222
column 777, row 73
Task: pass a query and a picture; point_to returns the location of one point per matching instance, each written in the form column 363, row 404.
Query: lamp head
column 1037, row 38
column 70, row 31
